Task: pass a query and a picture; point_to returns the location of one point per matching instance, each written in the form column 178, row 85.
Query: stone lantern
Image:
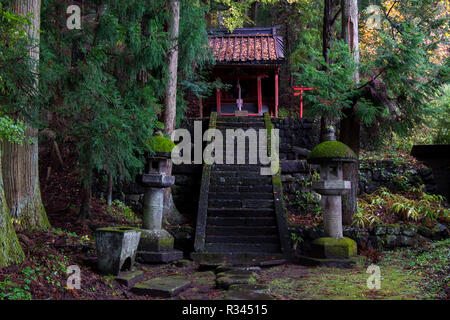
column 333, row 249
column 156, row 244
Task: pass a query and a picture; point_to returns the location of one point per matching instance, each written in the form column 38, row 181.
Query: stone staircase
column 241, row 218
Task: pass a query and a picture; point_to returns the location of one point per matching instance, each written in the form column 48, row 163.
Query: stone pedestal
column 157, row 246
column 153, row 208
column 332, row 216
column 332, row 252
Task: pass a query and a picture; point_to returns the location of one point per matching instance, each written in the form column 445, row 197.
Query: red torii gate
column 300, row 93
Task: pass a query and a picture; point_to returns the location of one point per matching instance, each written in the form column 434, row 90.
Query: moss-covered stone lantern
column 156, row 244
column 330, row 155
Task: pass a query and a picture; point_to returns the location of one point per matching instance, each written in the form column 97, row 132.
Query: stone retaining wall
column 385, row 173
column 384, row 237
column 301, row 133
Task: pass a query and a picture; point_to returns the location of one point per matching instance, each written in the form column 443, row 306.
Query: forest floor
column 407, row 273
column 416, row 273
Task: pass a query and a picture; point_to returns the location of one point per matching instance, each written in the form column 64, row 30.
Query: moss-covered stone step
column 241, row 195
column 236, row 167
column 250, row 288
column 248, row 292
column 241, row 189
column 163, row 287
column 238, row 230
column 272, row 239
column 241, row 221
column 241, row 212
column 224, row 203
column 216, row 259
column 242, row 181
column 221, row 125
column 183, row 263
column 243, row 248
column 129, row 279
column 238, row 273
column 238, row 211
column 257, row 203
column 240, row 203
column 226, row 282
column 225, row 268
column 256, row 188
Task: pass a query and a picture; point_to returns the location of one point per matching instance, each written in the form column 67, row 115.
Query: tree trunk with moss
column 10, row 250
column 20, row 162
column 350, row 125
column 171, row 213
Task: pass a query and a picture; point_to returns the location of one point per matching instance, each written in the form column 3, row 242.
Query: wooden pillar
column 276, row 94
column 259, row 95
column 218, row 102
column 200, row 102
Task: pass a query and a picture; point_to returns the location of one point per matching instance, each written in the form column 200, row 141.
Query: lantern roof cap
column 331, row 151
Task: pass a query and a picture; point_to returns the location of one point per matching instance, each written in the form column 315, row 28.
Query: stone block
column 226, row 281
column 393, row 229
column 391, row 241
column 409, row 231
column 116, row 248
column 225, row 268
column 337, row 263
column 159, row 257
column 238, row 273
column 129, row 279
column 329, row 248
column 380, row 230
column 163, row 287
column 183, row 263
column 250, row 288
column 407, row 241
column 155, row 240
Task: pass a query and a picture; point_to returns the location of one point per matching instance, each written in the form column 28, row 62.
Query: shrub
column 416, row 206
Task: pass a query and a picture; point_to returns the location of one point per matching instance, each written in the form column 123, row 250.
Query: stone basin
column 116, row 248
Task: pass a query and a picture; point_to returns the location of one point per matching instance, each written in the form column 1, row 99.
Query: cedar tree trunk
column 350, row 125
column 10, row 250
column 170, row 212
column 20, row 162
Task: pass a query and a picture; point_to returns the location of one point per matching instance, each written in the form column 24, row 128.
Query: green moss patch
column 117, row 229
column 398, row 282
column 334, row 248
column 159, row 144
column 331, row 149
